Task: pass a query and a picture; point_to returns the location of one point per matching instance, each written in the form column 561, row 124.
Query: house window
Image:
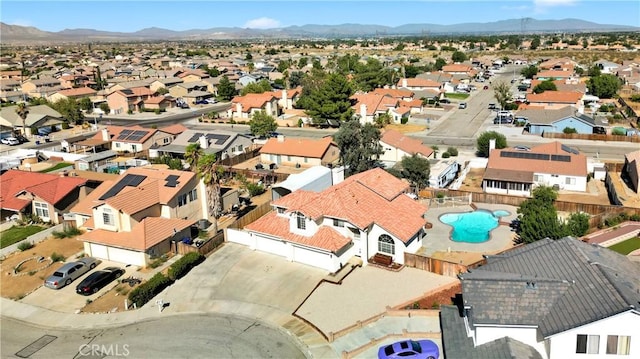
column 386, row 245
column 240, row 148
column 355, row 231
column 166, row 140
column 537, row 178
column 301, row 222
column 193, row 195
column 42, row 210
column 117, row 144
column 618, row 344
column 338, row 223
column 587, row 344
column 289, row 158
column 570, row 180
column 306, row 159
column 107, row 217
column 280, row 210
column 182, row 200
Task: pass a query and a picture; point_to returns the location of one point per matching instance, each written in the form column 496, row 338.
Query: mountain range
column 28, row 34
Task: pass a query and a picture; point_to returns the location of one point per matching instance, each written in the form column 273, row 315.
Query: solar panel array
column 216, row 138
column 131, row 135
column 172, row 181
column 128, row 180
column 535, row 156
column 569, row 149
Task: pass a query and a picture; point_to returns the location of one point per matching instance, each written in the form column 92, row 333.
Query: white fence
column 238, row 236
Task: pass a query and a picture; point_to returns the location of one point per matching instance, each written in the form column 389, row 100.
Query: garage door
column 126, row 256
column 99, row 251
column 272, row 246
column 313, row 258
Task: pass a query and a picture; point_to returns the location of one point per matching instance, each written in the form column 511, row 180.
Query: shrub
column 445, row 155
column 452, row 151
column 255, row 189
column 69, row 232
column 149, row 289
column 157, row 111
column 404, row 120
column 617, row 131
column 183, row 265
column 569, row 130
column 23, row 246
column 57, row 257
column 158, row 261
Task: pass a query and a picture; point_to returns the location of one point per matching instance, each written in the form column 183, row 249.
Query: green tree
column 440, row 62
column 546, row 85
column 262, row 124
column 172, row 163
column 383, row 119
column 604, row 86
column 359, row 146
column 594, row 71
column 248, row 57
column 209, row 171
column 535, row 43
column 256, row 87
column 330, row 101
column 458, row 56
column 86, row 104
column 70, row 110
column 226, row 89
column 23, row 111
column 192, row 155
column 104, row 107
column 529, row 71
column 284, row 65
column 538, row 216
column 416, row 170
column 162, row 91
column 295, row 78
column 482, row 143
column 577, row 224
column 502, row 93
column 303, row 62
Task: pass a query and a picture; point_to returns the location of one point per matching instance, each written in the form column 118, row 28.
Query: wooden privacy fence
column 251, row 216
column 232, row 161
column 437, row 266
column 592, row 137
column 205, row 248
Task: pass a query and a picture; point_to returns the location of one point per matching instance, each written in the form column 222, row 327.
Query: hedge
column 149, row 289
column 183, row 265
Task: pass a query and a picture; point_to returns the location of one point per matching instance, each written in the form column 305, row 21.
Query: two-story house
column 551, row 299
column 130, row 139
column 516, row 171
column 125, row 100
column 396, row 146
column 141, row 215
column 366, row 214
column 367, row 107
column 245, row 106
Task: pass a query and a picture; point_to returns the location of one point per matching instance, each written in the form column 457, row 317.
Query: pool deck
column 438, row 237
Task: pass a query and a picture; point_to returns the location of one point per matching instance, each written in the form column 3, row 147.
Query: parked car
column 502, row 120
column 70, row 272
column 11, row 141
column 462, row 105
column 492, row 106
column 211, row 101
column 98, row 279
column 417, row 349
column 202, row 102
column 523, row 87
column 599, row 130
column 444, row 100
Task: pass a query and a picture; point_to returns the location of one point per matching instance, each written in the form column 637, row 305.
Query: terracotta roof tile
column 405, row 143
column 174, row 129
column 253, row 100
column 418, row 82
column 80, row 91
column 395, row 93
column 554, row 97
column 49, row 187
column 85, row 206
column 304, row 147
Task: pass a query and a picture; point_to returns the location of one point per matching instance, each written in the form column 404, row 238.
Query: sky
column 130, row 16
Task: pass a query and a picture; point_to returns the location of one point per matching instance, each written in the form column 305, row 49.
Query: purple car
column 417, row 349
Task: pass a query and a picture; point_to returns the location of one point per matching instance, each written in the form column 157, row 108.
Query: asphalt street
column 183, row 336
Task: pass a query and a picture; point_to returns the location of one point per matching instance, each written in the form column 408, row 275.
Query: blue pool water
column 472, row 227
column 501, row 213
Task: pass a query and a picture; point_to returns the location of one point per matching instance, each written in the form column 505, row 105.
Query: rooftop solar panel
column 123, row 134
column 127, row 180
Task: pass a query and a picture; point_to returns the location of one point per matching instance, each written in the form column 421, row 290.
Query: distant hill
column 24, row 34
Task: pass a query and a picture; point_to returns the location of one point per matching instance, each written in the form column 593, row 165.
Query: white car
column 11, row 141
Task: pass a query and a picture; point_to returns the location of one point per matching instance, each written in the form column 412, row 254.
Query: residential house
column 631, row 169
column 287, row 98
column 128, row 100
column 222, row 143
column 550, row 100
column 607, row 67
column 129, row 139
column 556, row 120
column 418, row 84
column 75, row 93
column 368, row 107
column 299, row 152
column 38, row 87
column 193, row 91
column 47, row 196
column 553, row 75
column 396, row 146
column 166, row 83
column 400, row 94
column 160, row 103
column 11, row 75
column 315, row 179
column 141, row 215
column 193, row 75
column 516, row 172
column 459, row 69
column 551, row 299
column 326, row 229
column 558, row 64
column 39, row 116
column 245, row 106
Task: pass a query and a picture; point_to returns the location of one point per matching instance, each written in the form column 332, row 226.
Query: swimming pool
column 472, row 227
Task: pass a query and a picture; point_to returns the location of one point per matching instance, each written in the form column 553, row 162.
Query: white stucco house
column 552, row 299
column 366, row 214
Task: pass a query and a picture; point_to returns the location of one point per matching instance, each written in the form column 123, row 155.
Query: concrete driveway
column 66, row 299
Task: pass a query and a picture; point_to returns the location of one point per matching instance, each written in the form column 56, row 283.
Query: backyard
column 627, row 246
column 17, row 233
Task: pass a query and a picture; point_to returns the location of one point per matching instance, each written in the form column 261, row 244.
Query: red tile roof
column 363, row 199
column 80, row 91
column 554, row 97
column 395, row 93
column 418, row 82
column 576, row 167
column 405, row 143
column 303, row 147
column 114, row 132
column 456, row 68
column 51, row 188
column 252, row 100
column 174, row 129
column 374, row 103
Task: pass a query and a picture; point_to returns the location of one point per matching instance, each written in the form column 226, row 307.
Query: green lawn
column 627, row 246
column 457, row 96
column 16, row 234
column 57, row 167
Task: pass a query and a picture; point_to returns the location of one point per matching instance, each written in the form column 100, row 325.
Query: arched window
column 386, row 245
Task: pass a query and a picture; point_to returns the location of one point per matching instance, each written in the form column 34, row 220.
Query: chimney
column 284, row 95
column 280, row 138
column 492, row 145
column 363, row 110
column 404, row 83
column 204, row 143
column 105, row 134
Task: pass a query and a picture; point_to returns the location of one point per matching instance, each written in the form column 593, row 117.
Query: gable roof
column 302, row 147
column 536, row 115
column 36, row 113
column 175, row 129
column 579, row 283
column 80, row 91
column 51, row 188
column 363, row 199
column 116, row 133
column 555, row 97
column 418, row 82
column 395, row 93
column 405, row 143
column 374, row 103
column 252, row 100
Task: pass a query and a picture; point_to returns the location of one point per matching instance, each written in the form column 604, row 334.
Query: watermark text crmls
column 113, row 350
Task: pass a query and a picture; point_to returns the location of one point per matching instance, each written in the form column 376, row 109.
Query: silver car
column 70, row 272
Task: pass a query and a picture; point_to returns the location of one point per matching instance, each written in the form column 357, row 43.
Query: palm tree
column 192, row 155
column 23, row 110
column 209, row 172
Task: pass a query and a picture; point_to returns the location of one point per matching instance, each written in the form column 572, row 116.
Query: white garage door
column 313, row 258
column 272, row 246
column 126, row 256
column 99, row 251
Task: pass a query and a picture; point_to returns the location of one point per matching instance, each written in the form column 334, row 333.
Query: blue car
column 416, row 349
